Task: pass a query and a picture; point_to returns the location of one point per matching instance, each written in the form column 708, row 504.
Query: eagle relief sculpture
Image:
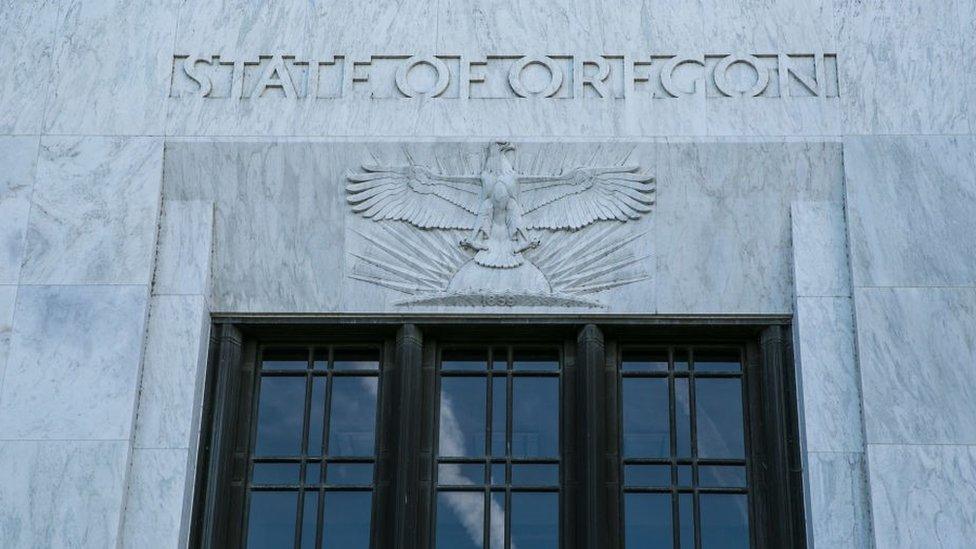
column 499, row 237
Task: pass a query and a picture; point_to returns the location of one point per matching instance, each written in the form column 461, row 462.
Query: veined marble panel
column 73, row 365
column 922, row 496
column 279, row 217
column 107, row 81
column 725, row 242
column 820, row 264
column 288, row 240
column 155, row 499
column 839, row 513
column 904, row 70
column 794, row 116
column 94, row 211
column 18, row 156
column 226, row 27
column 968, row 21
column 912, row 210
column 8, row 298
column 61, row 493
column 185, row 248
column 390, row 27
column 176, row 349
column 242, row 26
column 768, row 24
column 562, row 118
column 26, row 41
column 285, row 117
column 917, row 349
column 474, row 26
column 828, row 372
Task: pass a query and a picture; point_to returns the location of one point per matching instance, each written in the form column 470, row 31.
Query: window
column 312, row 460
column 498, row 448
column 684, row 448
column 499, row 437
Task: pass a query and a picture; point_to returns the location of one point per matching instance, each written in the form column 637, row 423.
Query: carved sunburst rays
column 592, row 260
column 409, row 260
column 412, row 261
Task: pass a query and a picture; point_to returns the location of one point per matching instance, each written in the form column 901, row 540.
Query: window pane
column 684, row 476
column 275, row 473
column 284, row 359
column 647, row 476
column 460, row 520
column 461, row 474
column 316, row 417
column 535, row 420
column 464, row 359
column 686, row 520
column 310, row 519
column 535, row 520
column 313, row 473
column 496, row 521
column 271, row 520
column 535, row 474
column 462, row 419
column 717, row 360
column 645, row 360
column 647, row 521
column 645, row 429
column 722, row 476
column 718, row 405
column 352, row 419
column 349, row 473
column 499, row 413
column 281, row 411
column 347, row 520
column 682, row 417
column 536, row 359
column 498, row 473
column 724, row 521
column 356, row 359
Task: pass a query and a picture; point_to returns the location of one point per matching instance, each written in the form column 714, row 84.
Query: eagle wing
column 584, row 196
column 415, row 195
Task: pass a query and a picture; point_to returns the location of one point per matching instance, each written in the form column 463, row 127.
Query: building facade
column 488, row 273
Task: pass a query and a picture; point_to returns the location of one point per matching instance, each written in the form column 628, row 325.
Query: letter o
column 722, row 81
column 515, row 76
column 440, row 68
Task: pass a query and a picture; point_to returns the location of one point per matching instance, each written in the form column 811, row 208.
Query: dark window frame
column 591, row 473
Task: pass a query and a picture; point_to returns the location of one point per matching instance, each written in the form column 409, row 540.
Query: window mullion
column 595, row 473
column 404, row 505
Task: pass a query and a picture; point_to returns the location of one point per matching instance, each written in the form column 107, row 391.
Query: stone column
column 828, row 381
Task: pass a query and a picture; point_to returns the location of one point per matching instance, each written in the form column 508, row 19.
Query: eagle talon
column 466, row 243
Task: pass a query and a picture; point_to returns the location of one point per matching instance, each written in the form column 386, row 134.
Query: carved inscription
column 463, row 77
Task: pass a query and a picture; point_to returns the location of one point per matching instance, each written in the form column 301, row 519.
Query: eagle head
column 497, row 160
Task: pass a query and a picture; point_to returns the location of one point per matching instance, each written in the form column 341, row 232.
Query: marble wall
column 78, row 257
column 853, row 213
column 911, row 209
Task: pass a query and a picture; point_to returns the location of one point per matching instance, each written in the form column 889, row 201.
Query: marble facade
column 130, row 214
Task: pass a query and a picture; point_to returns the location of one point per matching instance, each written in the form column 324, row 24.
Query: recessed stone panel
column 359, row 227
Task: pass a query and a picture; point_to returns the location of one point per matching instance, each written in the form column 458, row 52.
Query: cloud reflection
column 468, row 510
